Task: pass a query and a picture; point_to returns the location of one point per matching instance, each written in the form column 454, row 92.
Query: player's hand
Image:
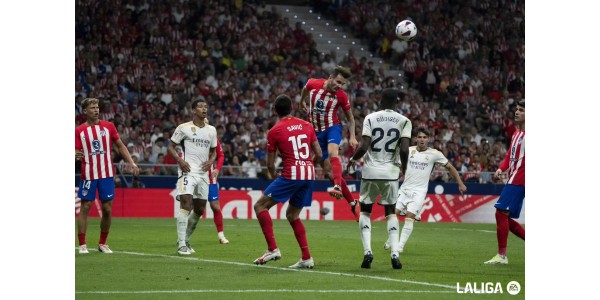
column 462, row 188
column 351, row 167
column 78, row 155
column 353, row 143
column 215, row 174
column 185, row 167
column 206, row 165
column 135, row 169
column 498, row 174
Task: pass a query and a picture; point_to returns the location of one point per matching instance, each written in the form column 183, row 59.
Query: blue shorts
column 104, row 186
column 213, row 192
column 299, row 192
column 330, row 135
column 511, row 199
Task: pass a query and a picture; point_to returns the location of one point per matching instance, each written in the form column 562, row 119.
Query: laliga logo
column 512, row 288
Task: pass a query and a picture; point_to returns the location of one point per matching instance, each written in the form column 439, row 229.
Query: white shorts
column 411, row 201
column 370, row 189
column 195, row 185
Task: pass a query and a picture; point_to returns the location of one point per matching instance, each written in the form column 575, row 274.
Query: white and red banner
column 238, row 204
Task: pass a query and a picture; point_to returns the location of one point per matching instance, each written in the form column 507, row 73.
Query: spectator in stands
column 251, row 167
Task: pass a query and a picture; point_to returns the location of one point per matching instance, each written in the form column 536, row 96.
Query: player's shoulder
column 185, row 125
column 314, row 83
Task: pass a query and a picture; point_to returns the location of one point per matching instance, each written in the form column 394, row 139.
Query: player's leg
column 301, row 198
column 198, row 207
column 279, row 191
column 213, row 200
column 516, row 228
column 185, row 188
column 368, row 191
column 508, row 206
column 389, row 198
column 106, row 193
column 340, row 188
column 87, row 194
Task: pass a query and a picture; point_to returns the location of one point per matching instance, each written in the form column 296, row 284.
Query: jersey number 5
column 300, row 147
column 378, row 134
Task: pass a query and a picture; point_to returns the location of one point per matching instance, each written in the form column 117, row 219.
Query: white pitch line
column 264, row 291
column 292, row 270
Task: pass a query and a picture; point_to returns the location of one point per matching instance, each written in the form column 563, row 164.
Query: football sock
column 182, row 221
column 516, row 228
column 81, row 237
column 364, row 225
column 406, row 231
column 336, row 169
column 501, row 232
column 300, row 234
column 218, row 219
column 221, row 235
column 192, row 221
column 393, row 232
column 346, row 192
column 103, row 237
column 266, row 224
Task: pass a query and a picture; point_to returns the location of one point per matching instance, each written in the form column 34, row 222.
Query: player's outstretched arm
column 461, row 186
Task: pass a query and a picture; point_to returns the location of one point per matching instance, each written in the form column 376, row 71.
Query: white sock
column 192, row 221
column 182, row 221
column 364, row 225
column 406, row 231
column 393, row 227
column 221, row 235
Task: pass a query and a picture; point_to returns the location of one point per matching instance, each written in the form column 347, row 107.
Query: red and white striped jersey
column 220, row 159
column 323, row 105
column 514, row 161
column 96, row 143
column 293, row 138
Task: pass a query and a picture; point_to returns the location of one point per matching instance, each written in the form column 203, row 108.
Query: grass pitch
column 145, row 264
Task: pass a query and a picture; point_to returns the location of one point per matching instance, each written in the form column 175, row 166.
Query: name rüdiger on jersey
column 388, row 119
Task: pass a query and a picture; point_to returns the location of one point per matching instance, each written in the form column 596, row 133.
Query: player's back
column 293, row 138
column 385, row 127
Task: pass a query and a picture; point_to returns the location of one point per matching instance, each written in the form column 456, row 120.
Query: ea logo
column 513, row 287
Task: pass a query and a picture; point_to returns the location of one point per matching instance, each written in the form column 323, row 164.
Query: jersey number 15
column 300, row 147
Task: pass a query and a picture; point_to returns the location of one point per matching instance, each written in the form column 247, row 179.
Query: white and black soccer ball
column 406, row 30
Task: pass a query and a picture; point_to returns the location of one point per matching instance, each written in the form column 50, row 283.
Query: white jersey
column 420, row 166
column 196, row 143
column 385, row 128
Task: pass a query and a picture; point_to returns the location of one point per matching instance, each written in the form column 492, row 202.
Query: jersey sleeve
column 406, row 129
column 220, row 156
column 440, row 158
column 271, row 146
column 213, row 138
column 178, row 135
column 78, row 144
column 343, row 100
column 367, row 127
column 112, row 130
column 310, row 84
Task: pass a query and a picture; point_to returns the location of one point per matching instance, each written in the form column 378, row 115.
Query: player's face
column 422, row 140
column 201, row 110
column 92, row 111
column 336, row 83
column 520, row 114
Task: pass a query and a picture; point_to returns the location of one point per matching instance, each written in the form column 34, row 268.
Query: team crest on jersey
column 426, row 157
column 194, row 130
column 412, row 153
column 520, row 140
column 84, row 192
column 102, row 132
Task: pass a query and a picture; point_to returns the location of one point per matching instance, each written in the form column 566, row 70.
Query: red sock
column 103, row 236
column 501, row 231
column 346, row 192
column 300, row 234
column 218, row 218
column 336, row 169
column 81, row 237
column 266, row 224
column 516, row 228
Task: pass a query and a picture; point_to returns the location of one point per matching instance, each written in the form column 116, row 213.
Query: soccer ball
column 406, row 30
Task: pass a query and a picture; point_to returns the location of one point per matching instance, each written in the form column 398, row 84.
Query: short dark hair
column 521, row 103
column 389, row 97
column 342, row 70
column 283, row 105
column 422, row 130
column 195, row 103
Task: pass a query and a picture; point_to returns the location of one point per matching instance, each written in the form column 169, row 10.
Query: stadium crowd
column 149, row 59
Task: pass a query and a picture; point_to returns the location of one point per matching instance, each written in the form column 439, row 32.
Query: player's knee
column 366, row 207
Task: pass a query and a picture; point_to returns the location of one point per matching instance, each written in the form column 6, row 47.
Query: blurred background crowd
column 147, row 60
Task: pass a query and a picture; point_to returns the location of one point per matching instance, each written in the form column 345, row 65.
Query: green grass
column 145, row 264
